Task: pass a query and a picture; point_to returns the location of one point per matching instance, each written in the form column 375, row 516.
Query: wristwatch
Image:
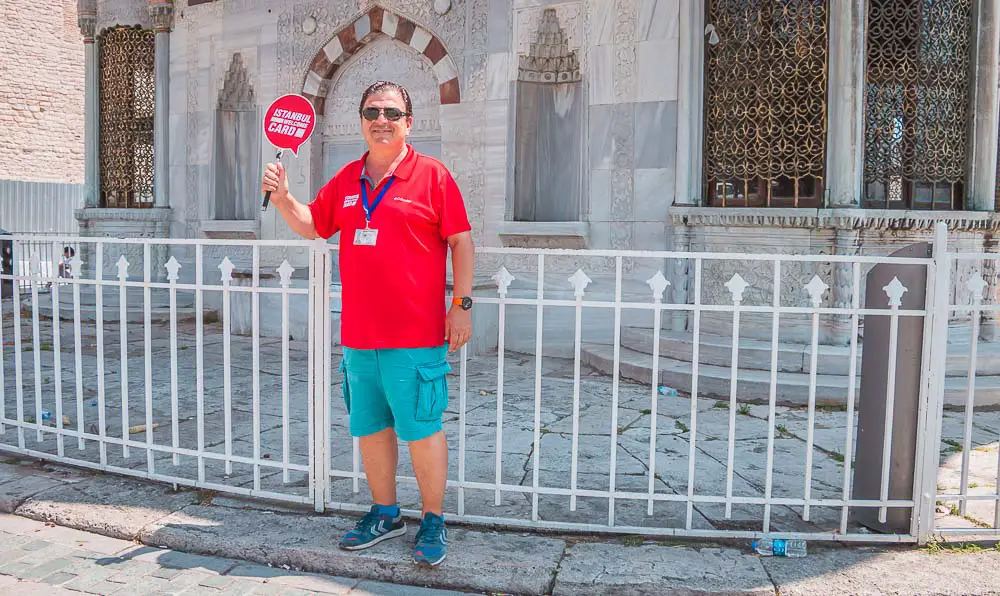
column 465, row 302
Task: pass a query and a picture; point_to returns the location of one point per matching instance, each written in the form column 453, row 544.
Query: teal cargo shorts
column 404, row 388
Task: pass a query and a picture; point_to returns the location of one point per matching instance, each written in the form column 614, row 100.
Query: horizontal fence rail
column 650, row 392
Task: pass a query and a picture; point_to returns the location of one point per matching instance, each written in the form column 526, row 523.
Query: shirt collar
column 402, row 171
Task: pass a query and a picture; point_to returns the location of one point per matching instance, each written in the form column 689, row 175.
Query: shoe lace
column 367, row 521
column 430, row 531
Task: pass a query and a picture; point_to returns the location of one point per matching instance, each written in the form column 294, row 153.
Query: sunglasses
column 391, row 114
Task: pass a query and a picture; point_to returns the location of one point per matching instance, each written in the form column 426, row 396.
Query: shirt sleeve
column 324, row 210
column 453, row 216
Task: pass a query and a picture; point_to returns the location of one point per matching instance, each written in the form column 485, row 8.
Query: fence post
column 929, row 454
column 319, row 349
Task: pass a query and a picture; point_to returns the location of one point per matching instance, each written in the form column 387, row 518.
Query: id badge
column 365, row 237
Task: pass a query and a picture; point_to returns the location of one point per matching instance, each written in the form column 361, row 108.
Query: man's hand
column 457, row 328
column 276, row 181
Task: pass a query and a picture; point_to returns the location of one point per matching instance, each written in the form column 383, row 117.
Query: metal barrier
column 551, row 423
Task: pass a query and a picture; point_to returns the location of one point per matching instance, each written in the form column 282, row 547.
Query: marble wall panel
column 654, row 192
column 656, row 70
column 656, row 134
column 601, row 144
column 600, row 75
column 658, row 20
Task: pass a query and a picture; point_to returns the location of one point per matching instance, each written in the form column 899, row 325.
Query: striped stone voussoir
column 366, row 28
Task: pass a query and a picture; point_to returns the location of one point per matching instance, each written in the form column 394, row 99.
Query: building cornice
column 836, row 219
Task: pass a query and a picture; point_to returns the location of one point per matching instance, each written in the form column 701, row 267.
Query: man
column 398, row 212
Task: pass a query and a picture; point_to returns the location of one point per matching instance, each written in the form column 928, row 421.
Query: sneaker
column 372, row 529
column 432, row 541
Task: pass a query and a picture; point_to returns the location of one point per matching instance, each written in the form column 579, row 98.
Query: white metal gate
column 210, row 369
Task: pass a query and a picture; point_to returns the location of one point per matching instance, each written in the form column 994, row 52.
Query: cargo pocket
column 432, row 393
column 345, row 385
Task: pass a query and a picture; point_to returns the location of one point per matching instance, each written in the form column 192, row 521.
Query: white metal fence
column 133, row 366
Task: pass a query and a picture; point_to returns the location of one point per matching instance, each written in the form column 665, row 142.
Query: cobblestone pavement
column 44, row 559
column 282, row 433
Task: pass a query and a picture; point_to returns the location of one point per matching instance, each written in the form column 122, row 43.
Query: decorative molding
column 355, row 35
column 162, row 214
column 563, row 235
column 127, row 13
column 161, row 14
column 86, row 19
column 394, row 62
column 549, row 59
column 237, row 92
column 835, row 219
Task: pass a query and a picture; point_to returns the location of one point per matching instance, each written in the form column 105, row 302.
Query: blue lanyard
column 369, row 209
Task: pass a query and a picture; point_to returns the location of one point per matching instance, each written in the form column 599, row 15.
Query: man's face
column 383, row 132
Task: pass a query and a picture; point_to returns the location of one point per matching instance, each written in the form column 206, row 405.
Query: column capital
column 86, row 19
column 161, row 13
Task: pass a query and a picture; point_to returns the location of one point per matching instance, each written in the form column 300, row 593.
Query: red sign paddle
column 288, row 123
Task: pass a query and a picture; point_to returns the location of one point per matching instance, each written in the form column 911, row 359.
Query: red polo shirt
column 394, row 291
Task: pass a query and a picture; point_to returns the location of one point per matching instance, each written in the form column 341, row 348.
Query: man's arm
column 458, row 326
column 298, row 216
column 463, row 255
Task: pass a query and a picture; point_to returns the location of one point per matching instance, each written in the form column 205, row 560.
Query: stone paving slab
column 599, row 569
column 482, row 561
column 862, row 570
column 109, row 505
column 45, row 568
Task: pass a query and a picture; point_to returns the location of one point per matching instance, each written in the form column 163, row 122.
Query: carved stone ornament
column 836, row 219
column 237, row 92
column 549, row 59
column 86, row 19
column 161, row 13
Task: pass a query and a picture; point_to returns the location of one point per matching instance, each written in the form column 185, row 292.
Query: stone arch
column 362, row 31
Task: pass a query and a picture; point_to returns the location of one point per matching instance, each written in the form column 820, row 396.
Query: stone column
column 681, row 274
column 847, row 241
column 690, row 80
column 87, row 21
column 983, row 106
column 845, row 120
column 161, row 13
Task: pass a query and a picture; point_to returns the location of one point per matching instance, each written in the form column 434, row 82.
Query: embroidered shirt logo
column 351, row 200
column 402, row 199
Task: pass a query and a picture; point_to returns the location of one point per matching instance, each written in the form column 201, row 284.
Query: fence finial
column 503, row 279
column 895, row 290
column 580, row 282
column 226, row 267
column 816, row 288
column 172, row 268
column 976, row 284
column 658, row 284
column 122, row 268
column 737, row 285
column 285, row 271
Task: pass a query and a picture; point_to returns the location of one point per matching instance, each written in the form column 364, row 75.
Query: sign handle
column 267, row 195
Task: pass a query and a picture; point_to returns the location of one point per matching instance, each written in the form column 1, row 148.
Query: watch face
column 466, row 303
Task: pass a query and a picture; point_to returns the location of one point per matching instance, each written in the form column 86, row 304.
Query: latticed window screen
column 916, row 103
column 127, row 104
column 765, row 102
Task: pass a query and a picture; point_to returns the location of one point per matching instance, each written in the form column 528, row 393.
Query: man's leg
column 430, row 462
column 380, row 454
column 371, row 421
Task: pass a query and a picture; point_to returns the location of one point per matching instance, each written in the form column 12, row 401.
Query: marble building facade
column 580, row 123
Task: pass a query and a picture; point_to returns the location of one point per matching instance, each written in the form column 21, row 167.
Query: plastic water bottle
column 779, row 547
column 668, row 391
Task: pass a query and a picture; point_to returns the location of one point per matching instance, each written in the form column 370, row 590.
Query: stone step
column 753, row 386
column 755, row 354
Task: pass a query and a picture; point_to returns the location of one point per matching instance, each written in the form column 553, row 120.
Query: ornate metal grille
column 917, row 102
column 765, row 102
column 126, row 120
